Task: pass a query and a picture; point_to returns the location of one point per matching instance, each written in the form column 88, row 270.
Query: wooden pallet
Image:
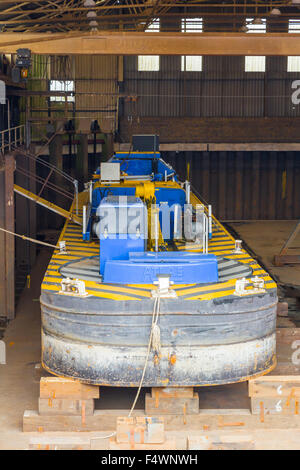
column 237, row 416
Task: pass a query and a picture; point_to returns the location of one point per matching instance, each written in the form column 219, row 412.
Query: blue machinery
column 137, row 209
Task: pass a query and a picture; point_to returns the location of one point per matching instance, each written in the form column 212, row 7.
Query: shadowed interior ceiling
column 137, row 15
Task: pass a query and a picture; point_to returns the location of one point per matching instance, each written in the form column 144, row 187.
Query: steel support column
column 7, row 242
column 25, row 218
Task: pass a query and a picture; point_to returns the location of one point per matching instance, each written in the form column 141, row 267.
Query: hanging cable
column 36, row 158
column 29, row 239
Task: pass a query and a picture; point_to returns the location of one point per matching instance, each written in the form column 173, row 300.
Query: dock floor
column 19, row 378
column 265, row 238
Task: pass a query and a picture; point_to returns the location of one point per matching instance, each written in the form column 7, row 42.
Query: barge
column 152, row 287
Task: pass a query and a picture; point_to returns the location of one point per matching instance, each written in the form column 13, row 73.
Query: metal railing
column 62, row 189
column 12, row 138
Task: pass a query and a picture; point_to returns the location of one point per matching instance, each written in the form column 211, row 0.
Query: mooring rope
column 153, row 343
column 155, row 314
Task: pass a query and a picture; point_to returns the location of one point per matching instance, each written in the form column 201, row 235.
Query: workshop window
column 293, row 62
column 191, row 63
column 255, row 63
column 62, row 85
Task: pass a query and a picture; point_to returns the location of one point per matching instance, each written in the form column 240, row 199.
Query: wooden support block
column 172, row 392
column 159, row 405
column 282, row 309
column 221, row 441
column 106, row 421
column 248, row 445
column 275, row 405
column 140, row 430
column 58, row 387
column 34, row 422
column 199, row 443
column 65, row 406
column 275, row 386
column 59, row 443
column 169, row 444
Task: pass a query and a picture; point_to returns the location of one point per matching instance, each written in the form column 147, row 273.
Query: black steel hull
column 210, row 342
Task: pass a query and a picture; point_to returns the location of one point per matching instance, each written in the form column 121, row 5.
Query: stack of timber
column 262, row 414
column 59, row 443
column 141, row 433
column 275, row 395
column 63, row 403
column 172, row 400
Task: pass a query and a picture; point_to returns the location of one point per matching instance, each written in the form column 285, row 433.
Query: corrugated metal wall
column 222, row 89
column 96, row 77
column 96, row 88
column 241, row 185
column 38, row 81
column 244, row 185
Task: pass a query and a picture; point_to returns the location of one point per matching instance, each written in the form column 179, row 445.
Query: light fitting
column 244, row 29
column 275, row 12
column 89, row 3
column 91, row 14
column 257, row 21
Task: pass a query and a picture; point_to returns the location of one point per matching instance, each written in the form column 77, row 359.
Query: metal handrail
column 11, row 138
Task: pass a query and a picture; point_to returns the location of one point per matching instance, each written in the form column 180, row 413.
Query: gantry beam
column 134, row 43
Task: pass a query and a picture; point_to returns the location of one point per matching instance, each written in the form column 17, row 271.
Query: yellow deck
column 222, row 243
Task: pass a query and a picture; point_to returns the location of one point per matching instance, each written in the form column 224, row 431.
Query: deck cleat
column 73, row 287
column 256, row 288
column 163, row 290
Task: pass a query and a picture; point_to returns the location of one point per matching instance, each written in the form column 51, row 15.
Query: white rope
column 155, row 342
column 29, row 239
column 155, row 316
column 154, row 338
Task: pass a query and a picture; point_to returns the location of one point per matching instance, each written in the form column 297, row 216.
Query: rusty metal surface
column 7, row 242
column 280, row 260
column 244, row 185
column 203, row 342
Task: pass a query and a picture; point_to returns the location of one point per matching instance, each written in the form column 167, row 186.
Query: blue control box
column 122, row 228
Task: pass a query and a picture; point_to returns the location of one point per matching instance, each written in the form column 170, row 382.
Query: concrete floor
column 265, row 239
column 19, row 378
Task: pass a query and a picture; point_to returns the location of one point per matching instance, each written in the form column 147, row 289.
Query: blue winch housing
column 140, row 163
column 122, row 228
column 144, row 268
